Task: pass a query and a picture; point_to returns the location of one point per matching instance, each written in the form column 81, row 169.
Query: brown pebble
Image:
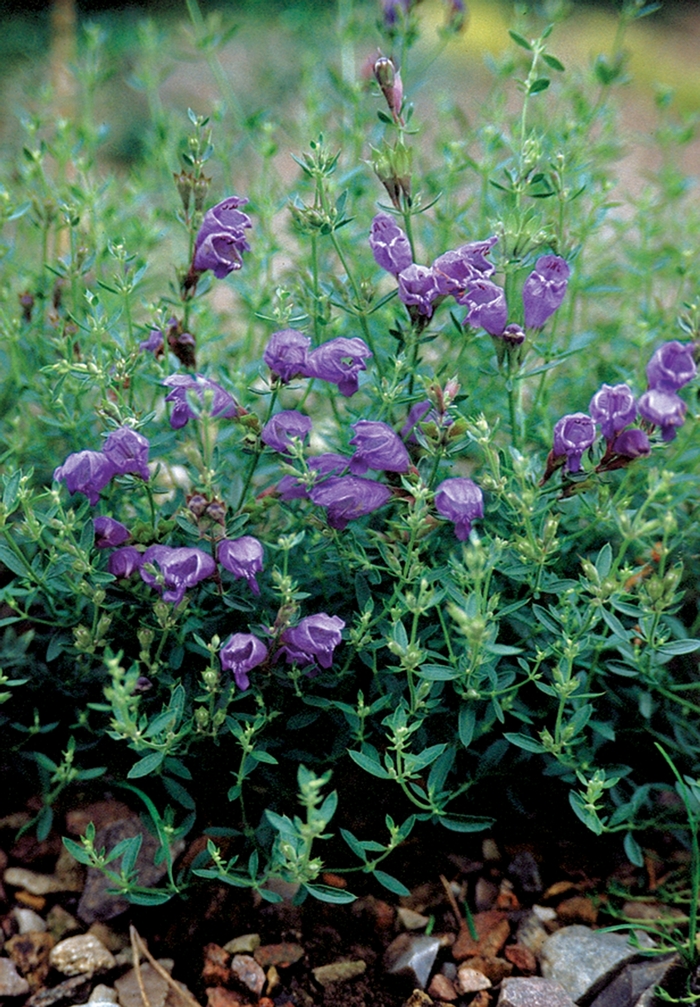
column 334, row 880
column 280, row 955
column 495, row 969
column 470, row 980
column 522, row 957
column 482, row 999
column 492, row 930
column 35, row 902
column 442, row 988
column 577, row 909
column 30, row 953
column 217, row 996
column 215, row 971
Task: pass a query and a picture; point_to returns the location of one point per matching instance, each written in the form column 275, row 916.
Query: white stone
column 80, row 955
column 35, row 884
column 28, row 920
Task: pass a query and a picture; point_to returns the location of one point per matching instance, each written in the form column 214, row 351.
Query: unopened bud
column 389, row 80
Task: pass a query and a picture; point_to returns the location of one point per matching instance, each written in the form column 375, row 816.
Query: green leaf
column 392, row 884
column 415, row 763
column 604, row 560
column 541, row 84
column 9, row 496
column 178, row 793
column 633, row 850
column 526, row 742
column 675, row 647
column 354, row 844
column 464, row 823
column 438, row 672
column 589, row 818
column 369, row 765
column 147, row 765
column 519, row 40
column 615, row 625
column 77, row 851
column 466, row 723
column 553, row 62
column 150, row 898
column 327, row 894
column 12, row 561
column 44, row 821
column 262, row 756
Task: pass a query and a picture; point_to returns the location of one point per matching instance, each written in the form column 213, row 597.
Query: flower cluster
column 339, row 361
column 125, row 451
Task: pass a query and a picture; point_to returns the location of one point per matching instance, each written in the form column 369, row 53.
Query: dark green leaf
column 147, row 765
column 327, row 894
column 369, row 765
column 553, row 62
column 541, row 84
column 391, row 883
column 519, row 40
column 526, row 742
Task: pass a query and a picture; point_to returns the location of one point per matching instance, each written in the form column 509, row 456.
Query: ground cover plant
column 363, row 479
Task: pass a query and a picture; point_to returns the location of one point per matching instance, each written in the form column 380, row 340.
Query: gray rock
column 248, row 972
column 11, row 982
column 531, row 932
column 533, row 992
column 129, row 991
column 80, row 955
column 524, row 871
column 585, row 960
column 413, row 956
column 634, row 981
column 103, row 994
column 410, row 919
column 28, row 920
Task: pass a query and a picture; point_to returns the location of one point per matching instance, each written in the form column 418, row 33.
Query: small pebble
column 470, row 981
column 103, row 994
column 442, row 988
column 35, row 884
column 83, row 954
column 279, row 955
column 28, row 920
column 60, row 922
column 247, row 971
column 410, row 919
column 243, row 945
column 338, row 972
column 11, row 982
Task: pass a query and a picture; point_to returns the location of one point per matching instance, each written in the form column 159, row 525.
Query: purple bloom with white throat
column 456, row 269
column 86, row 472
column 340, row 361
column 544, row 289
column 282, row 427
column 390, row 246
column 573, row 434
column 124, row 562
column 109, row 533
column 127, row 450
column 286, row 354
column 346, row 498
column 221, row 241
column 418, row 288
column 613, row 408
column 240, row 654
column 487, row 307
column 176, row 570
column 221, row 405
column 378, row 447
column 313, row 640
column 662, row 409
column 671, row 366
column 461, row 501
column 632, row 443
column 243, row 557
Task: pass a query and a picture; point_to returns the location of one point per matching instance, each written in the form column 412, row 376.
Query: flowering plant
column 349, row 514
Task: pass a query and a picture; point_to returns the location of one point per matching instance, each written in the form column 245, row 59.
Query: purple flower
column 155, row 343
column 278, row 431
column 291, row 488
column 348, row 497
column 390, row 246
column 418, row 287
column 124, row 562
column 180, row 568
column 456, row 269
column 461, row 501
column 544, row 290
column 377, row 447
column 487, row 307
column 613, row 408
column 573, row 434
column 662, row 409
column 240, row 654
column 416, row 414
column 671, row 367
column 86, row 472
column 286, row 353
column 339, row 361
column 127, row 450
column 392, row 8
column 313, row 640
column 632, row 443
column 220, row 241
column 243, row 557
column 109, row 533
column 222, row 404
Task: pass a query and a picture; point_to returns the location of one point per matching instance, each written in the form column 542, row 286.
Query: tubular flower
column 348, row 497
column 279, row 430
column 671, row 367
column 390, row 246
column 662, row 409
column 109, row 533
column 220, row 241
column 286, row 354
column 340, row 361
column 456, row 269
column 240, row 654
column 124, row 562
column 613, row 408
column 461, row 501
column 377, row 447
column 127, row 450
column 86, row 472
column 632, row 443
column 313, row 640
column 573, row 434
column 180, row 568
column 222, row 405
column 487, row 307
column 418, row 288
column 243, row 557
column 544, row 289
